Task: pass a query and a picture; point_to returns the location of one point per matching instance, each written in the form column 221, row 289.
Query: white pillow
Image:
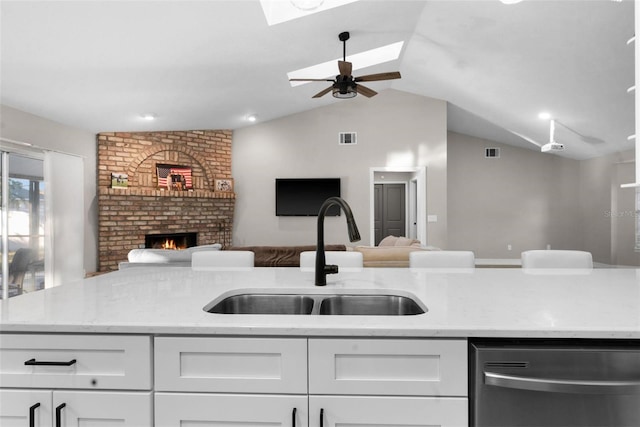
column 168, row 255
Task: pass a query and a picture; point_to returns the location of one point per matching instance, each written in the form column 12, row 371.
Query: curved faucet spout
column 322, row 269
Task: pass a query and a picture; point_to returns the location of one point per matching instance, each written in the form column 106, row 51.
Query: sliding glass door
column 23, row 223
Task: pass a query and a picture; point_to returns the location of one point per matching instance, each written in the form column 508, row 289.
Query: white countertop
column 485, row 302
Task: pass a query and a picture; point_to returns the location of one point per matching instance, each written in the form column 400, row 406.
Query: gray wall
column 23, row 127
column 525, row 199
column 528, row 199
column 394, row 129
column 608, row 210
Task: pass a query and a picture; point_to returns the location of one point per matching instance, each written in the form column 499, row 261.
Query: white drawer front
column 251, row 365
column 101, row 361
column 388, row 367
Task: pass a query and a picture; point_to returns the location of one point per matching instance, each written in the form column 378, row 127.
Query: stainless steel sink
column 318, row 304
column 370, row 305
column 264, row 304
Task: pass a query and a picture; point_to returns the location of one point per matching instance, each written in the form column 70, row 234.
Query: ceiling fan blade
column 380, row 76
column 363, row 90
column 345, row 68
column 323, row 92
column 311, row 80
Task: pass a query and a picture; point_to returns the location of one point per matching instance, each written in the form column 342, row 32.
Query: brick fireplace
column 128, row 213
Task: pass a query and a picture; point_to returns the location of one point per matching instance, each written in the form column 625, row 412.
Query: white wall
column 394, row 129
column 20, row 126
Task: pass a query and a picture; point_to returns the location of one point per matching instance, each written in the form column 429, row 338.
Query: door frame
column 420, row 176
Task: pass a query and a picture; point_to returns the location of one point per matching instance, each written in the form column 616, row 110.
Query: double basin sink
column 316, row 304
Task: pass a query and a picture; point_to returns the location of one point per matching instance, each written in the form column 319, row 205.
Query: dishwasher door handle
column 560, row 385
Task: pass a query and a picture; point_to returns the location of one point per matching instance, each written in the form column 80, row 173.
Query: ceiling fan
column 345, row 85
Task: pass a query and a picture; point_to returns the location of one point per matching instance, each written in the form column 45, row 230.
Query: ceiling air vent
column 347, row 138
column 492, row 153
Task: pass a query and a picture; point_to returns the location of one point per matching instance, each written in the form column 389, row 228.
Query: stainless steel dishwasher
column 554, row 383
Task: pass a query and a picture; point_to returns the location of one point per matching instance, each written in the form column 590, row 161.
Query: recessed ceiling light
column 252, row 118
column 544, row 115
column 360, row 60
column 148, row 116
column 510, row 1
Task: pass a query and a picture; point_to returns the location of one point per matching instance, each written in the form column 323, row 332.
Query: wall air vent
column 347, row 138
column 492, row 153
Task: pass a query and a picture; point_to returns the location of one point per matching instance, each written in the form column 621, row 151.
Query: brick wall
column 126, row 215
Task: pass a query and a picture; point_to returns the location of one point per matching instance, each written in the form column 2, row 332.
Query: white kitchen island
column 136, row 345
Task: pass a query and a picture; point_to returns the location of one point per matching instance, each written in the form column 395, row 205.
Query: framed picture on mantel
column 119, row 180
column 224, row 185
column 174, row 177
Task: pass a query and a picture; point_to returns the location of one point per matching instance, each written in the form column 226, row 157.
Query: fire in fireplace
column 170, row 240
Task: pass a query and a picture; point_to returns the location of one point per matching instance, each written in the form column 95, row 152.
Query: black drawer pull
column 34, row 362
column 293, row 417
column 32, row 414
column 59, row 414
column 321, row 417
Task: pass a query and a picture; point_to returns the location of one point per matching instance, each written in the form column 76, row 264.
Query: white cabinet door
column 20, row 408
column 104, row 409
column 191, row 410
column 375, row 411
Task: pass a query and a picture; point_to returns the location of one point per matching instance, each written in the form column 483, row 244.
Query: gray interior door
column 389, row 211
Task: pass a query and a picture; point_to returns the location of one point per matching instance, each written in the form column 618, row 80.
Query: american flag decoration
column 174, row 177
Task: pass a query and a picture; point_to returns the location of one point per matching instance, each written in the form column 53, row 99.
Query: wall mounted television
column 304, row 196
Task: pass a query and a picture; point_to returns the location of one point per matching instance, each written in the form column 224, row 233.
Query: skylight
column 360, row 60
column 278, row 11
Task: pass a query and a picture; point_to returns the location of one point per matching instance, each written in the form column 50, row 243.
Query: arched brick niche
column 143, row 174
column 126, row 215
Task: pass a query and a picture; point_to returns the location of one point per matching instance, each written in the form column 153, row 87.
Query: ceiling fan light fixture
column 344, row 88
column 344, row 93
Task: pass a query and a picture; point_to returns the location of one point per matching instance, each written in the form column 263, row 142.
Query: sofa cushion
column 389, row 256
column 391, row 241
column 281, row 256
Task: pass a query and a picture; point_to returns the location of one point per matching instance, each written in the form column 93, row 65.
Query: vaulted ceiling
column 100, row 65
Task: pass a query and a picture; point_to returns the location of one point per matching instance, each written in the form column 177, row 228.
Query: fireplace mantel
column 203, row 194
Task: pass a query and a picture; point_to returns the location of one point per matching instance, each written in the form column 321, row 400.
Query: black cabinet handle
column 32, row 414
column 293, row 417
column 34, row 362
column 321, row 417
column 59, row 414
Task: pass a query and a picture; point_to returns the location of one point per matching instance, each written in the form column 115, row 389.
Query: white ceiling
column 99, row 65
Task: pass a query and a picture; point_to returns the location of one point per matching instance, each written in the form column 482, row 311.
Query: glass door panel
column 23, row 200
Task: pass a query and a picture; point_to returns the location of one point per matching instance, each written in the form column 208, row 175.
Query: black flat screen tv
column 304, row 196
